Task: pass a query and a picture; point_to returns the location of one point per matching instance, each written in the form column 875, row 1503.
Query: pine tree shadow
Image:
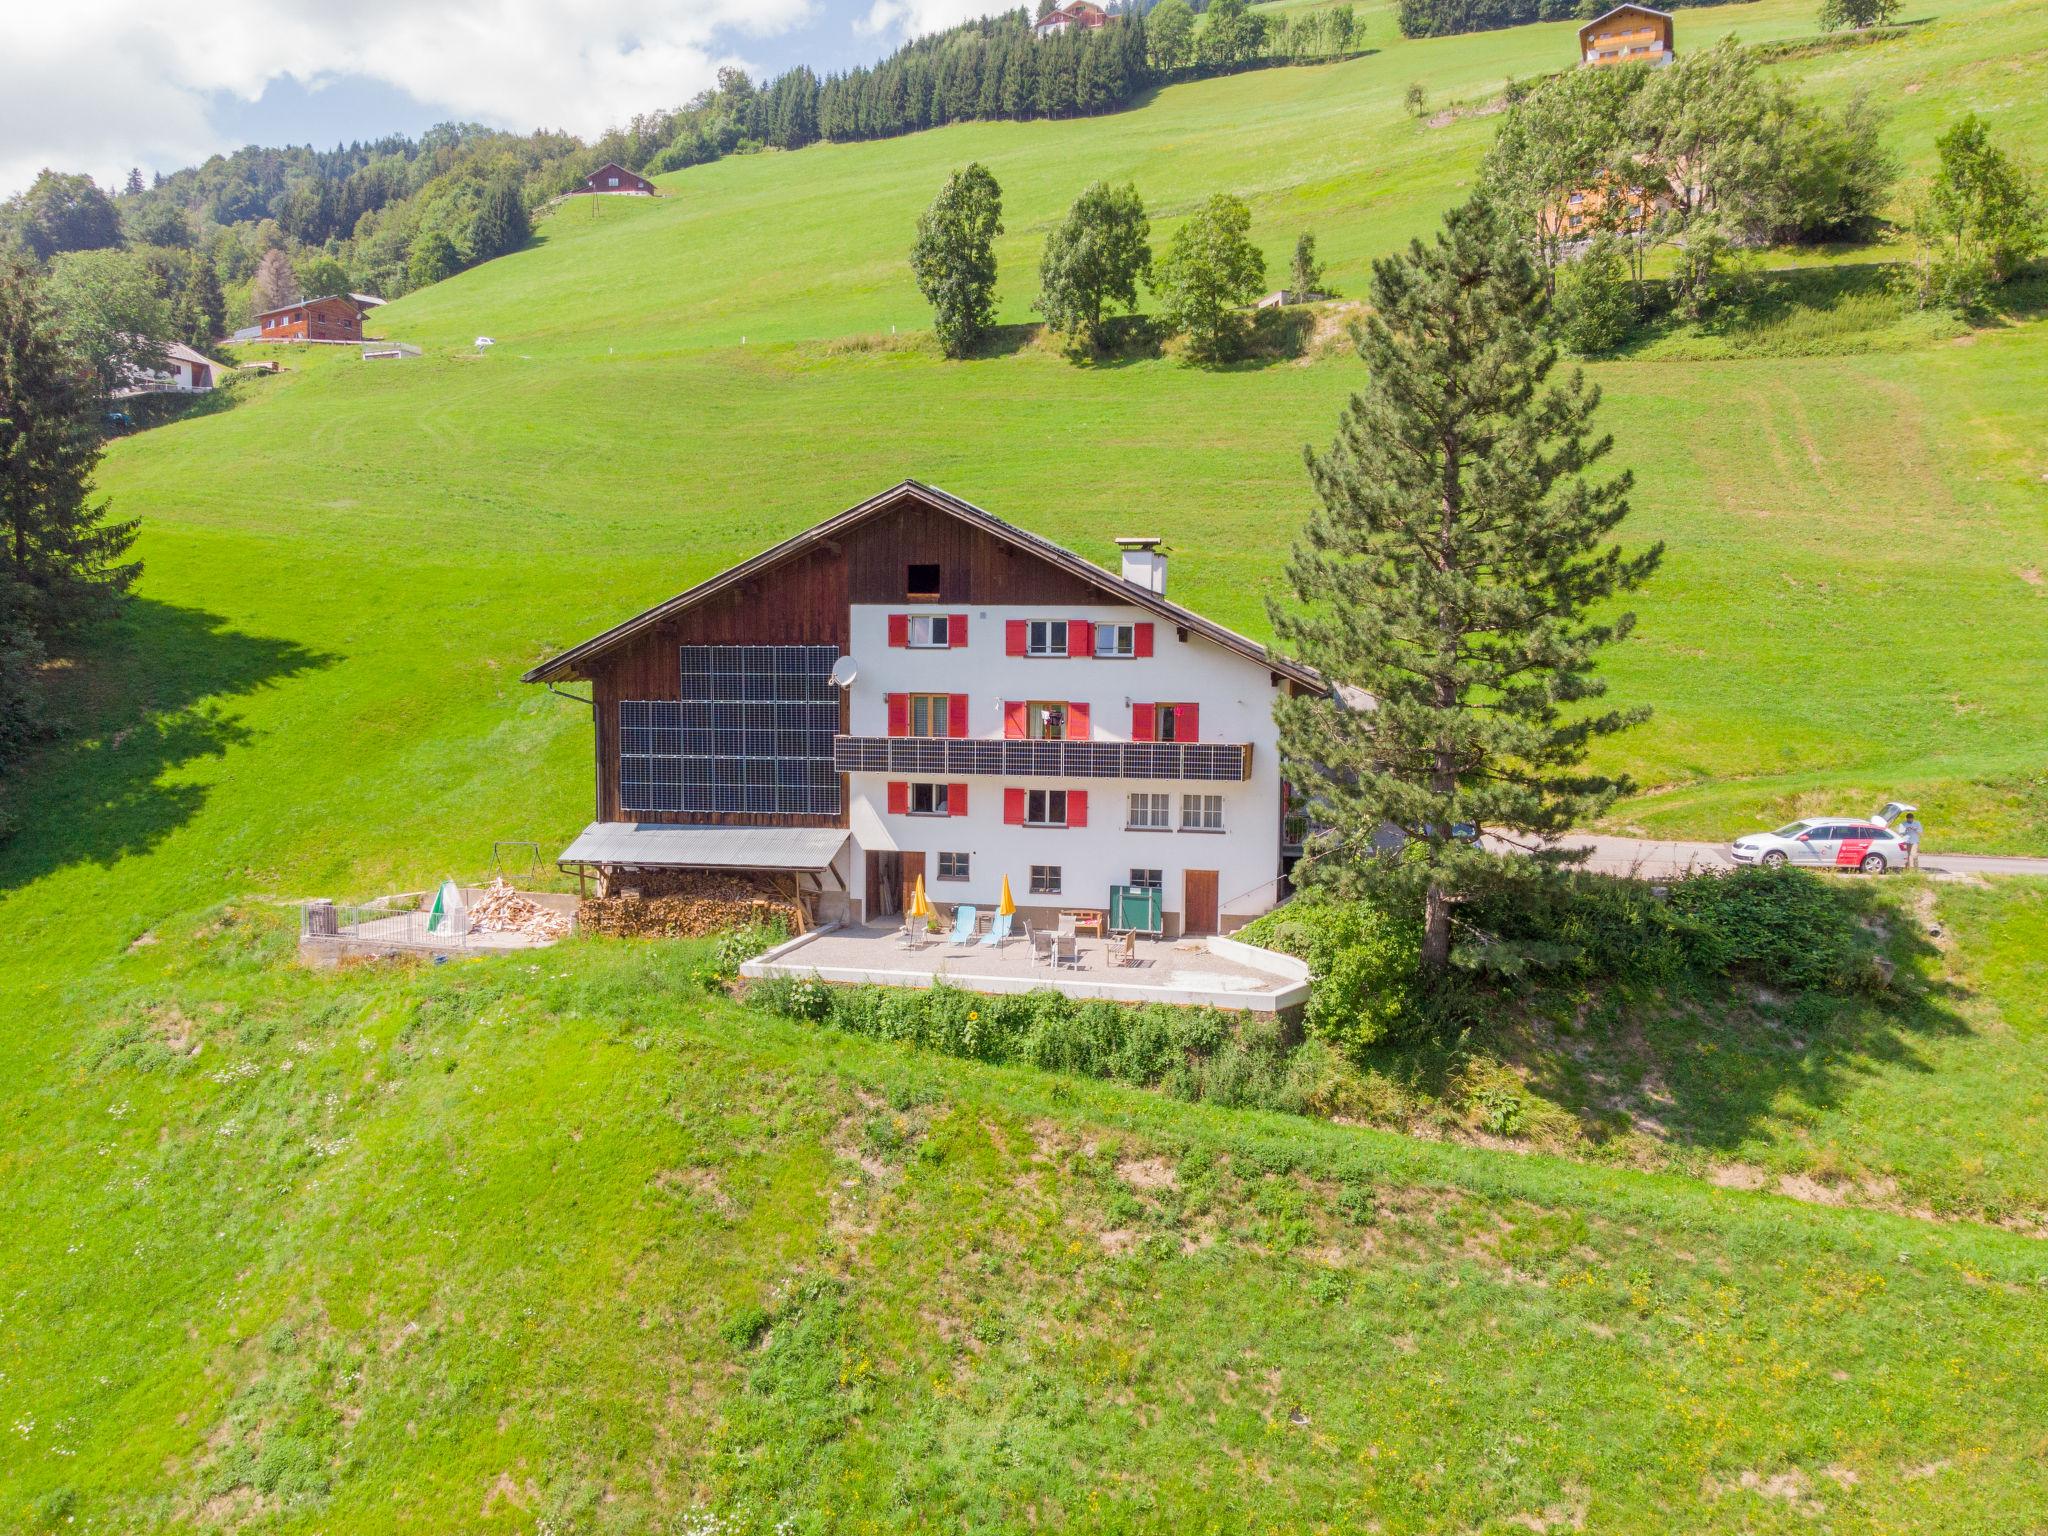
column 138, row 700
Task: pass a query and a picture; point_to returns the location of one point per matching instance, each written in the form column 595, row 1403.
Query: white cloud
column 914, row 18
column 100, row 85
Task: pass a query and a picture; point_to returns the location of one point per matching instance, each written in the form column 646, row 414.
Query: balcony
column 1211, row 762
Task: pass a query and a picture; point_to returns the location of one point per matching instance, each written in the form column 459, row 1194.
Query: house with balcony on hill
column 1085, row 14
column 1628, row 34
column 915, row 687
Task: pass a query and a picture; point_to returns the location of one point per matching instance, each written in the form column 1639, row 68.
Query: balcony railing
column 1207, row 761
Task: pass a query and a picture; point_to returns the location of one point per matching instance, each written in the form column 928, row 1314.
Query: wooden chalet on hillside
column 613, row 179
column 1085, row 14
column 332, row 317
column 1628, row 34
column 915, row 687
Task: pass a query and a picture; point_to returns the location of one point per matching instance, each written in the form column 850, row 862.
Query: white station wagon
column 1863, row 845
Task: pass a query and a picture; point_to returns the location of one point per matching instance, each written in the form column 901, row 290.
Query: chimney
column 1144, row 563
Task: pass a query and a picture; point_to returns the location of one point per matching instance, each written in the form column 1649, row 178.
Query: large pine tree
column 1451, row 573
column 60, row 550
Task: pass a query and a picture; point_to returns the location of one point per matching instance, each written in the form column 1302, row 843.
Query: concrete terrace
column 1216, row 972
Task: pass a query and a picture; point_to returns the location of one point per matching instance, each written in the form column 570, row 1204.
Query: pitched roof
column 302, row 303
column 1646, row 10
column 185, row 354
column 1112, row 585
column 613, row 165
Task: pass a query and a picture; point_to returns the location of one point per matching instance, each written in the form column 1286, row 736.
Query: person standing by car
column 1909, row 834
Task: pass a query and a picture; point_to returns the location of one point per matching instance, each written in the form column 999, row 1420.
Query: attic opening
column 921, row 579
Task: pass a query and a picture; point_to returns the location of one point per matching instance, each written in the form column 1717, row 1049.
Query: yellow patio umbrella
column 919, row 907
column 1008, row 905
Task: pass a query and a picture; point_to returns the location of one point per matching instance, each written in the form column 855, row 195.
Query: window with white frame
column 1150, row 812
column 929, row 800
column 953, row 866
column 1045, row 879
column 1201, row 813
column 930, row 632
column 1116, row 640
column 1047, row 808
column 1148, row 880
column 1046, row 637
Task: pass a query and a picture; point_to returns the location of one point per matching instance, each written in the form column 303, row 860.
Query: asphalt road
column 1662, row 860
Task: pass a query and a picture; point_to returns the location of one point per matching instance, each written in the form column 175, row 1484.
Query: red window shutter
column 956, row 714
column 956, row 799
column 1077, row 807
column 1013, row 807
column 899, row 629
column 1080, row 637
column 1143, row 717
column 1014, row 722
column 899, row 714
column 1077, row 722
column 1190, row 722
column 1013, row 637
column 956, row 630
column 899, row 798
column 1143, row 639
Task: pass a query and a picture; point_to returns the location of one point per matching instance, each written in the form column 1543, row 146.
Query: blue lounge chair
column 998, row 930
column 963, row 926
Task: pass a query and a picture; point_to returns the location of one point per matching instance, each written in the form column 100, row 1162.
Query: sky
column 103, row 85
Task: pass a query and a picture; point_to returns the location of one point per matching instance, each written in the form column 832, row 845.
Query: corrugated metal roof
column 659, row 843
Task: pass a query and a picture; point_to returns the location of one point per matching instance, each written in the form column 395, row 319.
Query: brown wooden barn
column 333, row 317
column 615, row 180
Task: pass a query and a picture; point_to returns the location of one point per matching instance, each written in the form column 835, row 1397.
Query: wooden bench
column 1085, row 920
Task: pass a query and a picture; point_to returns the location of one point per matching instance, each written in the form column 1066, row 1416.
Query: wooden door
column 1198, row 911
column 912, row 867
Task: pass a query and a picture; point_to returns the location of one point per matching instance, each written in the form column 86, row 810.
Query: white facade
column 1235, row 697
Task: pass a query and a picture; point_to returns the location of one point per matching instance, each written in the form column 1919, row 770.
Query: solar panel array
column 1213, row 762
column 751, row 735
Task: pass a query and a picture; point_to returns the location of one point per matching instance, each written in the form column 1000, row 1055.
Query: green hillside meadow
column 563, row 1244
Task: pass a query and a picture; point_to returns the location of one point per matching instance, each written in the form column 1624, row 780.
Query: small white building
column 917, row 688
column 185, row 372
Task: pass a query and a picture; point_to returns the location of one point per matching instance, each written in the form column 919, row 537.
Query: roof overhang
column 1641, row 10
column 570, row 662
column 662, row 845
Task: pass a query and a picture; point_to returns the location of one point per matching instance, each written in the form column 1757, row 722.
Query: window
column 952, row 866
column 1045, row 721
column 1048, row 808
column 1116, row 640
column 1046, row 637
column 1045, row 879
column 930, row 631
column 1148, row 880
column 1150, row 813
column 611, row 181
column 1201, row 813
column 929, row 800
column 930, row 714
column 921, row 579
column 1174, row 722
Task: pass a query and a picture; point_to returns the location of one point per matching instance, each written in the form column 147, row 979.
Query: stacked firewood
column 682, row 917
column 501, row 909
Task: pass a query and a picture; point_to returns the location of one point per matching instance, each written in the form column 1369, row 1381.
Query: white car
column 1825, row 842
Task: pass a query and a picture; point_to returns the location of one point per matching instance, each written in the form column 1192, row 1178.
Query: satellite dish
column 844, row 671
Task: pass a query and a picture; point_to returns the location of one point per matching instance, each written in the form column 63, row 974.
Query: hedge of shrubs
column 1191, row 1053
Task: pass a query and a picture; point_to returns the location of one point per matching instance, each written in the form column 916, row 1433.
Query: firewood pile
column 501, row 909
column 682, row 917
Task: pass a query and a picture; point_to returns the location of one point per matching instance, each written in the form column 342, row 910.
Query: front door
column 913, row 867
column 1817, row 846
column 1198, row 911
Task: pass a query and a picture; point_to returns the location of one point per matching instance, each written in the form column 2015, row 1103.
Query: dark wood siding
column 974, row 566
column 802, row 602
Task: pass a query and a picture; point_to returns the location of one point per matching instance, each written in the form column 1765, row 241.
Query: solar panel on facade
column 751, row 733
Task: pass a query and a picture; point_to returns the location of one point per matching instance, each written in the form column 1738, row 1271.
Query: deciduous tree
column 433, row 258
column 1449, row 573
column 1171, row 28
column 1858, row 14
column 1211, row 269
column 1982, row 218
column 500, row 226
column 1305, row 275
column 61, row 213
column 954, row 257
column 276, row 285
column 1094, row 260
column 112, row 313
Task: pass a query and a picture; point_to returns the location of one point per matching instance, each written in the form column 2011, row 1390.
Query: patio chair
column 998, row 931
column 963, row 926
column 1066, row 925
column 1123, row 948
column 1066, row 950
column 1041, row 941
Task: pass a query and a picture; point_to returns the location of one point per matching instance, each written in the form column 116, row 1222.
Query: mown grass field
column 477, row 1247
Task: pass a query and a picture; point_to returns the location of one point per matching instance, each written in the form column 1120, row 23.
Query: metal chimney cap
column 1140, row 541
